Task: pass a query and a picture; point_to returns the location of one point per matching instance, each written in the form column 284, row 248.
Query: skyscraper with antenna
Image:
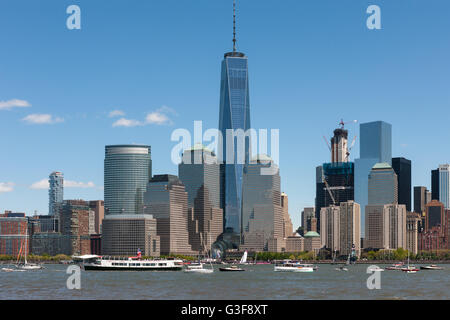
column 235, row 115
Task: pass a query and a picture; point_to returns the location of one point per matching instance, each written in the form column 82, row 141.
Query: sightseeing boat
column 294, row 267
column 106, row 263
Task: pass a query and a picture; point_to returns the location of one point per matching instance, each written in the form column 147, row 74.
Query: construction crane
column 350, row 148
column 329, row 190
column 342, row 123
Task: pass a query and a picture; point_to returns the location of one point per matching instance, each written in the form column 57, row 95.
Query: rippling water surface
column 258, row 282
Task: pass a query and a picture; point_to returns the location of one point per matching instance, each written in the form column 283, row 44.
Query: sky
column 138, row 70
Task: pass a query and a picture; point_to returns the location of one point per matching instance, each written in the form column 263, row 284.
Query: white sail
column 244, row 258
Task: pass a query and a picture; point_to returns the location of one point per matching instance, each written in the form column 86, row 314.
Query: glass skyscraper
column 128, row 169
column 444, row 185
column 234, row 115
column 375, row 147
column 55, row 192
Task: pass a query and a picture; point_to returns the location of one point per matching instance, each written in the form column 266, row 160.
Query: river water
column 257, row 282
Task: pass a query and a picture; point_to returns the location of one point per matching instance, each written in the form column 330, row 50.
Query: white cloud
column 116, row 113
column 122, row 122
column 42, row 119
column 43, row 184
column 14, row 103
column 75, row 184
column 6, row 187
column 158, row 117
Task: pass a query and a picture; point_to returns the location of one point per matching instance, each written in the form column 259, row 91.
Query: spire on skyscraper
column 234, row 25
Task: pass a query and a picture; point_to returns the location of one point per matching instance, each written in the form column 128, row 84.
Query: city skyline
column 83, row 120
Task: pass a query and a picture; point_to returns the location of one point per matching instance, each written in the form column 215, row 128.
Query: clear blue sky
column 311, row 63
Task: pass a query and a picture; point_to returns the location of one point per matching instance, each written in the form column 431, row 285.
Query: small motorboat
column 231, row 268
column 431, row 267
column 198, row 268
column 342, row 268
column 375, row 268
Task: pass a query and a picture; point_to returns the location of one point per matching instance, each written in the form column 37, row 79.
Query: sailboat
column 244, row 258
column 234, row 267
column 26, row 265
column 410, row 269
column 199, row 267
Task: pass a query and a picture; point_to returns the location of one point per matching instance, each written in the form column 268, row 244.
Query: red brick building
column 13, row 235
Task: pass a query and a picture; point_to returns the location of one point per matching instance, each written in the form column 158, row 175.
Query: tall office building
column 167, row 201
column 329, row 229
column 128, row 168
column 98, row 206
column 200, row 173
column 287, row 222
column 320, row 192
column 420, row 199
column 444, row 185
column 337, row 177
column 234, row 115
column 382, row 185
column 412, row 231
column 77, row 224
column 307, row 215
column 262, row 214
column 339, row 146
column 435, row 184
column 375, row 147
column 402, row 168
column 350, row 228
column 55, row 192
column 385, row 226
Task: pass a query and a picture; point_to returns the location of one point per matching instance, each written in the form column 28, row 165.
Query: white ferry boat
column 294, row 267
column 104, row 263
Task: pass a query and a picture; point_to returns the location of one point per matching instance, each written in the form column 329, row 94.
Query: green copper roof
column 311, row 234
column 382, row 165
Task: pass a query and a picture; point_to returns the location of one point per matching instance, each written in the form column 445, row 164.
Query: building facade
column 385, row 226
column 288, row 228
column 199, row 171
column 13, row 236
column 349, row 228
column 127, row 172
column 412, row 232
column 55, row 192
column 402, row 168
column 167, row 201
column 126, row 234
column 382, row 185
column 262, row 213
column 444, row 185
column 375, row 147
column 234, row 117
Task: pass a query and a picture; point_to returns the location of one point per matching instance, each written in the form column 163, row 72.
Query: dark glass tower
column 234, row 115
column 435, row 184
column 402, row 168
